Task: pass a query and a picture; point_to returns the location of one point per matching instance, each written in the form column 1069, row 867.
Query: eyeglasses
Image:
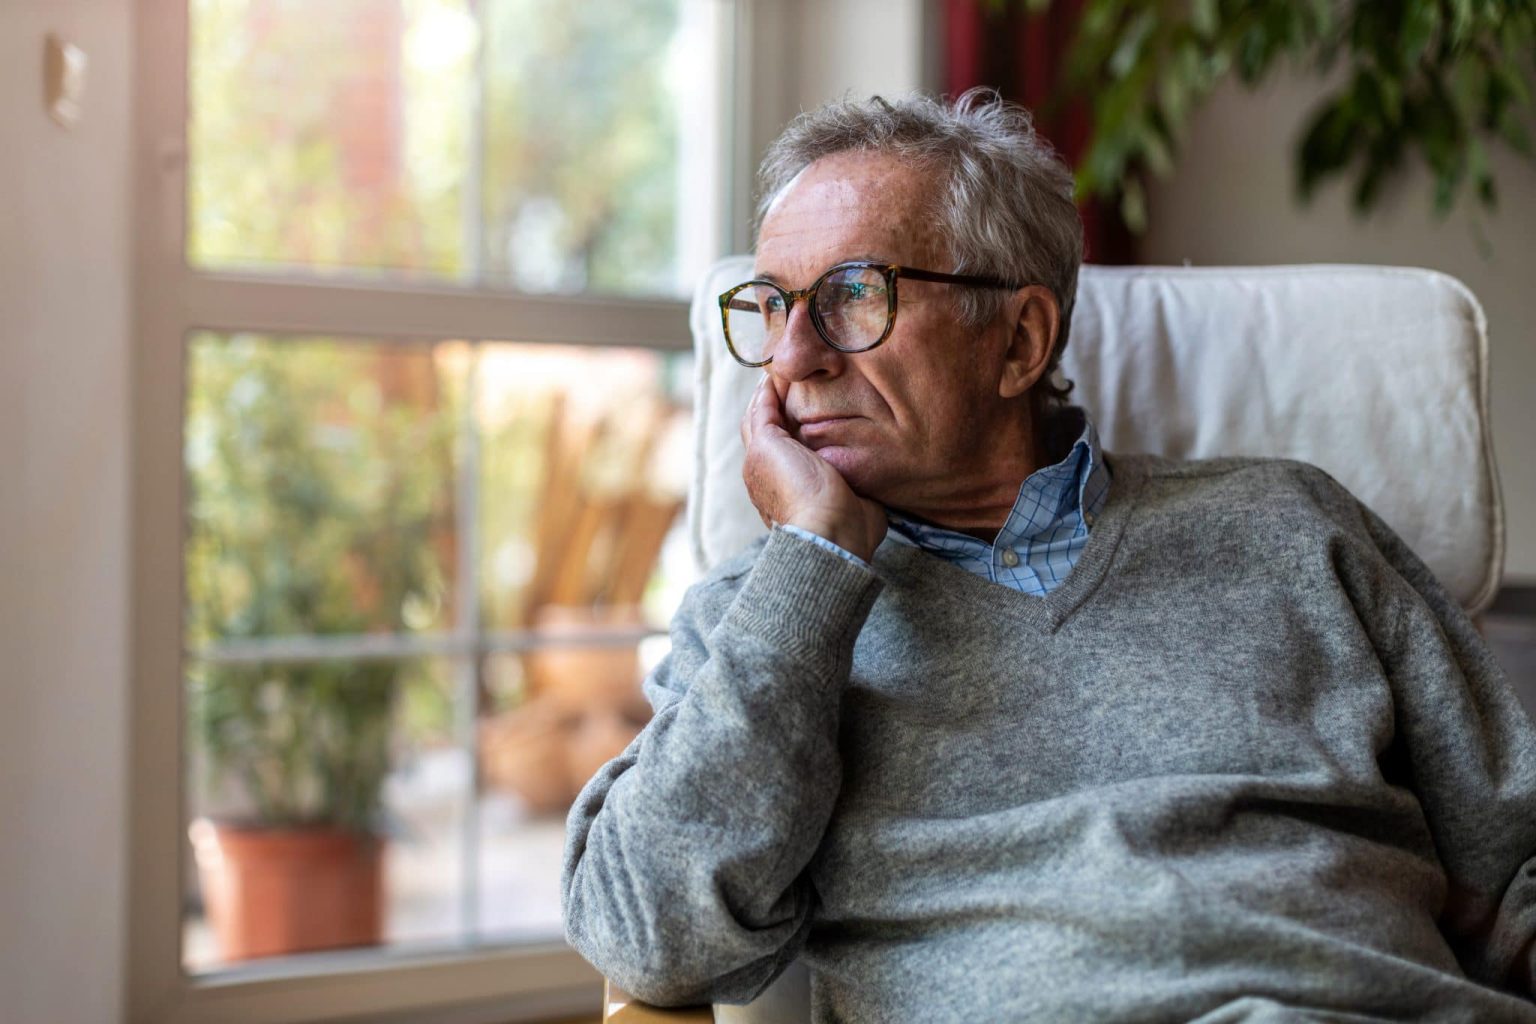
column 852, row 305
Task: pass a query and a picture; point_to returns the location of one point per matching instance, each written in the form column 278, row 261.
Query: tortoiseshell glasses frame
column 891, row 273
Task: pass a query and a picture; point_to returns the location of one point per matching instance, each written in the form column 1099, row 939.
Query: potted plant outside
column 320, row 476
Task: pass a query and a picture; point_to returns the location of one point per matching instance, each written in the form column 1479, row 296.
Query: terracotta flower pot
column 271, row 891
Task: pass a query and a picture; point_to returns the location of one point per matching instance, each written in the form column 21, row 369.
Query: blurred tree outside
column 321, row 503
column 527, row 143
column 314, row 141
column 581, row 145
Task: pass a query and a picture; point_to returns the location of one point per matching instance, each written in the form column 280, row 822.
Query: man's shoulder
column 1245, row 489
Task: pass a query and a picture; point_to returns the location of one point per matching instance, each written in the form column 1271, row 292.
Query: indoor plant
column 1431, row 80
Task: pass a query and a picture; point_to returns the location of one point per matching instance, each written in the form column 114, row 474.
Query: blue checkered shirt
column 1046, row 529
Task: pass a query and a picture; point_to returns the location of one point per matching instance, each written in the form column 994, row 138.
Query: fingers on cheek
column 749, row 422
column 759, row 488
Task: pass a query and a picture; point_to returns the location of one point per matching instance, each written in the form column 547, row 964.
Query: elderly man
column 997, row 725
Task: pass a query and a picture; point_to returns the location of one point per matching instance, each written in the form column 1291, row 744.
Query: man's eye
column 855, row 291
column 774, row 304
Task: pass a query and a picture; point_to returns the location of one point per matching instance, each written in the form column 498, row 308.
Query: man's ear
column 1029, row 345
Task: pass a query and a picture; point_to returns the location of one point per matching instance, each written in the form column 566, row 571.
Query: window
column 420, row 584
column 411, row 448
column 536, row 144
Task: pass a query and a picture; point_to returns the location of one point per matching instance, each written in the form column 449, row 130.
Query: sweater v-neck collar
column 1043, row 614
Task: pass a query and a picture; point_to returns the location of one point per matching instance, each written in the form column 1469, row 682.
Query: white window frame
column 526, row 982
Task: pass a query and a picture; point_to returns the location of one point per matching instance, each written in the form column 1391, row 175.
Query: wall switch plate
column 64, row 66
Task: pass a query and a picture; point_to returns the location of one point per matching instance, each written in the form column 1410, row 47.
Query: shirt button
column 1010, row 558
column 1089, row 517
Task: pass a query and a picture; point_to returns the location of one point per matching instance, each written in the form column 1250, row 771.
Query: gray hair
column 1006, row 208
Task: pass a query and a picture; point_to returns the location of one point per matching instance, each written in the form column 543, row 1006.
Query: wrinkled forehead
column 851, row 206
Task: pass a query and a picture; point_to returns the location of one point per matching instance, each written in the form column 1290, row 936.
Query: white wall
column 1231, row 201
column 64, row 336
column 798, row 54
column 863, row 47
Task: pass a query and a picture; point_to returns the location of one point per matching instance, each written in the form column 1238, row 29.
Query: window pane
column 533, row 144
column 585, row 457
column 337, row 490
column 321, row 482
column 526, row 754
column 326, row 807
column 584, row 467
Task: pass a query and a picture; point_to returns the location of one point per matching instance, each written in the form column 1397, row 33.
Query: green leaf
column 1203, row 17
column 1131, row 42
column 1133, row 206
column 1320, row 18
column 1155, row 148
column 1445, row 192
column 1460, row 27
column 1471, row 90
column 1421, row 19
column 1368, row 97
column 1488, row 192
column 1173, row 96
column 1327, row 144
column 1099, row 20
column 1481, row 175
column 1252, row 55
column 1366, row 189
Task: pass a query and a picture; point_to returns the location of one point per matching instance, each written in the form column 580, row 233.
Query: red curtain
column 1021, row 56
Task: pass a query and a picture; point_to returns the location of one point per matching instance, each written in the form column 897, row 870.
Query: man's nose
column 800, row 353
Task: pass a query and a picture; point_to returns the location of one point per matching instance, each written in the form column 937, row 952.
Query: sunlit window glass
column 539, row 145
column 423, row 584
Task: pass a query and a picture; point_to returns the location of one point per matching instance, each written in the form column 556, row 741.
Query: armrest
column 619, row 1007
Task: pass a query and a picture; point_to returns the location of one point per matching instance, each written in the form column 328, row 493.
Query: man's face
column 907, row 422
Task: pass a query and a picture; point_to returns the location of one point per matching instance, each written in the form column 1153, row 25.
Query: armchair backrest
column 1378, row 375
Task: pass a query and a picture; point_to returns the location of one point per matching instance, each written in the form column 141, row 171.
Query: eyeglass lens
column 852, row 305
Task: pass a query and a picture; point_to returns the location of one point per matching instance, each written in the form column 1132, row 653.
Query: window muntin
column 376, row 305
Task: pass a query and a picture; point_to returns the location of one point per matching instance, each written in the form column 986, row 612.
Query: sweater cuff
column 811, row 599
column 822, row 542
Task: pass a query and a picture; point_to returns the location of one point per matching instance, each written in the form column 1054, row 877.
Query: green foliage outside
column 348, row 135
column 581, row 145
column 531, row 143
column 316, row 505
column 1437, row 81
column 279, row 113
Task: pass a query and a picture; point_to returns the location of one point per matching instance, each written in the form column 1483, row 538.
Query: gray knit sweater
column 1248, row 763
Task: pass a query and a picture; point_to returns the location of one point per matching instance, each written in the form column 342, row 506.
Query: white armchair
column 1379, row 375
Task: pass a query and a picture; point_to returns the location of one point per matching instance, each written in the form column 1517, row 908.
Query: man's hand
column 791, row 485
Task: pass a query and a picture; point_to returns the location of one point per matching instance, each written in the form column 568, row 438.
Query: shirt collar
column 1075, row 488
